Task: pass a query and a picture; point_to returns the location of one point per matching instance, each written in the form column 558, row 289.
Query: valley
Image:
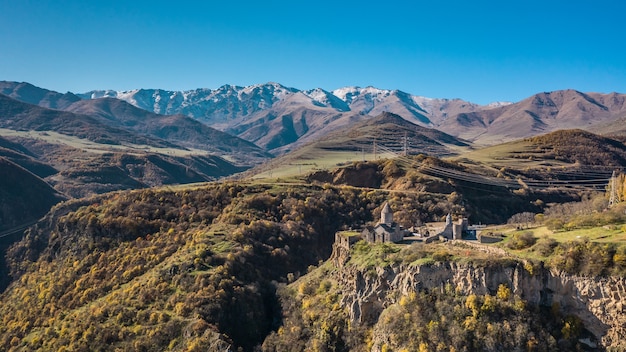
column 213, row 227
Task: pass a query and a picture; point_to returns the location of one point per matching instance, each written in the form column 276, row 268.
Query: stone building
column 386, row 230
column 454, row 231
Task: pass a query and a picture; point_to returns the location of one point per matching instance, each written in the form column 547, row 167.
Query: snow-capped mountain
column 209, row 105
column 228, row 102
column 280, row 118
column 275, row 116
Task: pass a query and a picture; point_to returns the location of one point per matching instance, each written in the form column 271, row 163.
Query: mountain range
column 280, row 118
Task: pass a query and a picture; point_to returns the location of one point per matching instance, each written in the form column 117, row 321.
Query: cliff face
column 599, row 302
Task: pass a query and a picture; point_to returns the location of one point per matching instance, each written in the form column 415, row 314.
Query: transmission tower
column 613, row 196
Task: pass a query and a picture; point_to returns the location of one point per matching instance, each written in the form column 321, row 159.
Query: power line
column 594, row 177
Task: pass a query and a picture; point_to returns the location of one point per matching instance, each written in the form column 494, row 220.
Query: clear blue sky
column 480, row 51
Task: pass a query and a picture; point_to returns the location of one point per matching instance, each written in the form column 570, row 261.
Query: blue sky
column 480, row 51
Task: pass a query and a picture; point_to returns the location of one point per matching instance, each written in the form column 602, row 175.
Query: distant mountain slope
column 80, row 172
column 614, row 128
column 28, row 93
column 228, row 102
column 280, row 118
column 17, row 115
column 24, row 197
column 291, row 122
column 118, row 147
column 179, row 129
column 541, row 113
column 389, row 131
column 24, row 158
column 225, row 103
column 116, row 171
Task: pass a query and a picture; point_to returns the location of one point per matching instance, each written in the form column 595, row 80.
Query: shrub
column 522, row 240
column 442, row 255
column 545, row 246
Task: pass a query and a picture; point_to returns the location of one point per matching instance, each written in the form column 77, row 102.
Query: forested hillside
column 154, row 269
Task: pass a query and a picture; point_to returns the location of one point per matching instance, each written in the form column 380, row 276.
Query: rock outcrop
column 600, row 302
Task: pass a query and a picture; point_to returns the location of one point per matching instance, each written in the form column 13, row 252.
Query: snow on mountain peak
column 230, row 102
column 317, row 94
column 350, row 93
column 346, row 93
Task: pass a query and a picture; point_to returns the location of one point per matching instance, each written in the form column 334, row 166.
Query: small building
column 386, row 230
column 453, row 230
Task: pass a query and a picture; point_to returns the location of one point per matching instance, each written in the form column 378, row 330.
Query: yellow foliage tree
column 504, row 292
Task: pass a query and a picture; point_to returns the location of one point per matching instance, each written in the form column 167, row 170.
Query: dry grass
column 98, row 148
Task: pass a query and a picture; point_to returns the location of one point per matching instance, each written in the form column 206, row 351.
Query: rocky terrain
column 598, row 301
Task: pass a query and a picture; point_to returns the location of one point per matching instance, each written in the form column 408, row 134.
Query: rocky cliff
column 600, row 302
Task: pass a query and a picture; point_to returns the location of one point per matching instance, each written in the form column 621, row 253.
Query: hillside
column 577, row 146
column 28, row 93
column 373, row 138
column 440, row 297
column 197, row 268
column 24, row 197
column 539, row 114
column 178, row 129
column 16, row 115
column 389, row 131
column 571, row 151
column 178, row 268
column 187, row 269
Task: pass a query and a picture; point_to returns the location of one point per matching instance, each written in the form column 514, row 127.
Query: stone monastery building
column 387, row 230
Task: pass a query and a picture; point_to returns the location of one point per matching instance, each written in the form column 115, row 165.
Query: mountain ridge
column 280, row 118
column 250, row 114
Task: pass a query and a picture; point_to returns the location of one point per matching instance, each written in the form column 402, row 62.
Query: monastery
column 387, row 230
